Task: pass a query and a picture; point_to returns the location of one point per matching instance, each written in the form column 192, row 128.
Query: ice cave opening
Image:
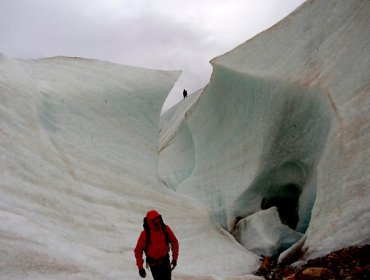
column 285, row 198
column 274, row 211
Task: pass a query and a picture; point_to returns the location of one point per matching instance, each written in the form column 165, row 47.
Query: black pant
column 161, row 270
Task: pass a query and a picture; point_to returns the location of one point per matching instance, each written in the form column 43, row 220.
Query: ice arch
column 292, row 147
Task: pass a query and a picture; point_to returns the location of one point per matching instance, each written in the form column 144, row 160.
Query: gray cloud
column 163, row 34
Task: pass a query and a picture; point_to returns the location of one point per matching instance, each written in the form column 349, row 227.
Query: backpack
column 147, row 231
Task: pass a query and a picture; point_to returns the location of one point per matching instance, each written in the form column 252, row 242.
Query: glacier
column 271, row 157
column 283, row 122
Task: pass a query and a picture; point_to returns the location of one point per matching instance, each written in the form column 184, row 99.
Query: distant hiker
column 156, row 240
column 185, row 93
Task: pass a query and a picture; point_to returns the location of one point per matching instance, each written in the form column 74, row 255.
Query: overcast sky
column 159, row 34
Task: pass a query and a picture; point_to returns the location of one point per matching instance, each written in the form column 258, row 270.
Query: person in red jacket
column 156, row 240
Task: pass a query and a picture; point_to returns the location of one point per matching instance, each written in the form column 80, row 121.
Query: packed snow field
column 272, row 157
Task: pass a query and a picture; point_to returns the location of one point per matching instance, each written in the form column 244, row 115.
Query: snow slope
column 285, row 122
column 79, row 142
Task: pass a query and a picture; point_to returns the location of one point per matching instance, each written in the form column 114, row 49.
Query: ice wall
column 79, row 141
column 285, row 122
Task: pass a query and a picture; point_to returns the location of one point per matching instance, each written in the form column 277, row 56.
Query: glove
column 173, row 264
column 142, row 272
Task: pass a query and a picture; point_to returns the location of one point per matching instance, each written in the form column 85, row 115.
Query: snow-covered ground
column 284, row 122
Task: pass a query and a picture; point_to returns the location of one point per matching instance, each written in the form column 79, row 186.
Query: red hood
column 151, row 215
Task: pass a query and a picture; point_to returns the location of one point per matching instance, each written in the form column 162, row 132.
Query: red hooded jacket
column 158, row 246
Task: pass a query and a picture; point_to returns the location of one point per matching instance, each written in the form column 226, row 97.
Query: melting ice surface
column 272, row 155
